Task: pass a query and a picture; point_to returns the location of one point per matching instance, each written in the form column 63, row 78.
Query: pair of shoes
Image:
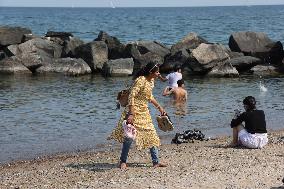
column 160, row 165
column 122, row 165
column 164, row 123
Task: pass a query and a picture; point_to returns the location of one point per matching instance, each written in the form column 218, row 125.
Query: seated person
column 253, row 134
column 179, row 93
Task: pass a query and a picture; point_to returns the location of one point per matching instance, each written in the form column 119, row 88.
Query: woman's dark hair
column 151, row 67
column 250, row 102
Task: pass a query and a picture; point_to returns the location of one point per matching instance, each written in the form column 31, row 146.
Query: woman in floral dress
column 138, row 114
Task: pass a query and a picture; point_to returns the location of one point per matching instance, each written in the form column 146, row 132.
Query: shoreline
column 105, row 147
column 201, row 164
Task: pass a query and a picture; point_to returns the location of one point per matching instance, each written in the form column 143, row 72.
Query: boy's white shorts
column 249, row 140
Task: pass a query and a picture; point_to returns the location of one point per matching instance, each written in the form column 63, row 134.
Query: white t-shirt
column 173, row 78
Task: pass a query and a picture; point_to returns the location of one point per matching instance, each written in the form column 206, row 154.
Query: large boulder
column 61, row 35
column 145, row 51
column 94, row 53
column 66, row 40
column 144, row 59
column 180, row 52
column 224, row 69
column 191, row 41
column 265, row 70
column 244, row 63
column 67, row 66
column 12, row 65
column 206, row 56
column 131, row 51
column 115, row 47
column 179, row 58
column 232, row 54
column 141, row 57
column 257, row 44
column 118, row 67
column 152, row 46
column 12, row 35
column 70, row 45
column 36, row 52
column 28, row 37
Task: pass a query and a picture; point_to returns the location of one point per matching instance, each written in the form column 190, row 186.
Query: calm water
column 49, row 114
column 167, row 25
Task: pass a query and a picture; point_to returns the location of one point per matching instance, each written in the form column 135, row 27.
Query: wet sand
column 202, row 164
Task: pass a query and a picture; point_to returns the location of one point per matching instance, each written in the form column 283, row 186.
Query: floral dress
column 139, row 97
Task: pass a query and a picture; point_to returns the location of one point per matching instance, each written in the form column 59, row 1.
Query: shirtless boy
column 179, row 93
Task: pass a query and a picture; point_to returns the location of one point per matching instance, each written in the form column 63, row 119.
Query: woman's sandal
column 122, row 165
column 160, row 165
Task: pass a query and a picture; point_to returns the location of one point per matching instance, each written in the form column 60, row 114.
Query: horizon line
column 245, row 5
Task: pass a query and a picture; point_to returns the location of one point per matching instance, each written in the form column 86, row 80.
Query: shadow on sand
column 102, row 167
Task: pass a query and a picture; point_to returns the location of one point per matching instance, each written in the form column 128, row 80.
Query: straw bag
column 122, row 97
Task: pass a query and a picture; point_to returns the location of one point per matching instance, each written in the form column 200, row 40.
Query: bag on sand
column 122, row 97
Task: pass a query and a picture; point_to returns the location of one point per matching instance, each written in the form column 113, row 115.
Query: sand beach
column 202, row 164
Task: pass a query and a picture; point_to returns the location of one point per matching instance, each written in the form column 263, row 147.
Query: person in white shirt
column 172, row 77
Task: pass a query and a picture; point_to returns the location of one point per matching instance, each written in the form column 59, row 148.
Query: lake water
column 49, row 114
column 167, row 25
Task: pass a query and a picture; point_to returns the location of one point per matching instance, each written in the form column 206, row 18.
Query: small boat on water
column 112, row 5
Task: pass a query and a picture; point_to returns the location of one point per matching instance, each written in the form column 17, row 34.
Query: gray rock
column 13, row 50
column 94, row 53
column 118, row 67
column 37, row 52
column 191, row 41
column 257, row 44
column 62, row 35
column 67, row 66
column 70, row 45
column 232, row 54
column 144, row 59
column 56, row 40
column 12, row 65
column 206, row 56
column 244, row 63
column 66, row 40
column 152, row 46
column 131, row 51
column 141, row 58
column 115, row 47
column 29, row 36
column 265, row 70
column 40, row 45
column 224, row 69
column 171, row 60
column 12, row 35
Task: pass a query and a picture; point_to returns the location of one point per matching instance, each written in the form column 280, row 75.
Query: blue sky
column 134, row 3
